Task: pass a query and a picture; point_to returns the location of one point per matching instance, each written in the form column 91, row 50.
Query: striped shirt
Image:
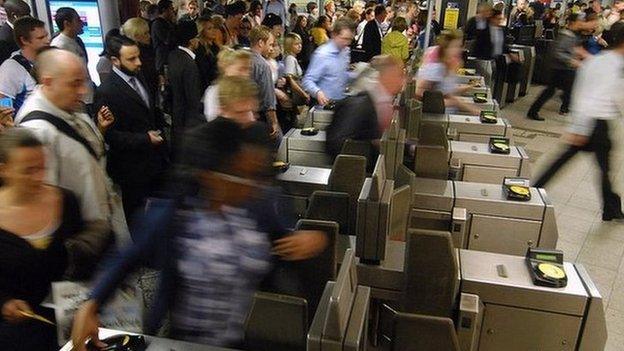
column 221, row 259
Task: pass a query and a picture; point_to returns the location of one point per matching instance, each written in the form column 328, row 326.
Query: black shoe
column 535, row 116
column 609, row 217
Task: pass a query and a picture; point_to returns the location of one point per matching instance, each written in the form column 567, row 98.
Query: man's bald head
column 63, row 78
column 55, row 62
column 16, row 9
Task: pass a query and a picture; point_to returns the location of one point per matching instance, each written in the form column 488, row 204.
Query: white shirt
column 597, row 92
column 71, row 166
column 211, row 102
column 498, row 40
column 64, row 42
column 292, row 67
column 15, row 82
column 188, row 51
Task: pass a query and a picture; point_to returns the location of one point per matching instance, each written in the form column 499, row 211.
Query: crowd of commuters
column 167, row 162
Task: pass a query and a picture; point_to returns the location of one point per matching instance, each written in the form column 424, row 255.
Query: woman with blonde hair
column 231, row 63
column 138, row 30
column 292, row 69
column 438, row 72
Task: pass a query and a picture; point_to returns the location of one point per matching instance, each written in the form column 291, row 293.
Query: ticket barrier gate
column 498, row 306
column 304, row 150
column 436, row 157
column 528, row 67
column 514, row 76
column 458, row 127
column 322, row 193
column 319, row 118
column 341, row 320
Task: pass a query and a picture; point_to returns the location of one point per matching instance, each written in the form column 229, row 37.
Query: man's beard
column 126, row 71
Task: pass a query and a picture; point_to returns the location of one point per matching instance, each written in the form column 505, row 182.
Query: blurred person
column 139, row 31
column 367, row 16
column 478, row 22
column 396, row 43
column 192, row 11
column 330, row 10
column 6, row 118
column 207, row 289
column 220, row 32
column 75, row 153
column 353, row 15
column 359, row 6
column 327, row 76
column 538, row 9
column 184, row 77
column 436, row 29
column 596, row 102
column 262, row 41
column 233, row 16
column 206, row 52
column 567, row 56
column 312, row 11
column 3, row 14
column 162, row 33
column 489, row 41
column 292, row 69
column 104, row 66
column 255, row 14
column 275, row 24
column 387, row 22
column 243, row 33
column 144, row 6
column 367, row 115
column 438, row 72
column 237, row 99
column 320, row 31
column 71, row 26
column 521, row 9
column 231, row 63
column 292, row 15
column 15, row 9
column 306, row 41
column 16, row 79
column 371, row 43
column 39, row 226
column 137, row 150
column 277, row 7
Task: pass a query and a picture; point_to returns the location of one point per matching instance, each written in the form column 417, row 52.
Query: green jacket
column 395, row 44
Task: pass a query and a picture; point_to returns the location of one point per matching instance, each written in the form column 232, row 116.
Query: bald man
column 76, row 153
column 14, row 9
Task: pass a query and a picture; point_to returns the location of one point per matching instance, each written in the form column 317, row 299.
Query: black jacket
column 162, row 40
column 371, row 42
column 483, row 46
column 185, row 81
column 7, row 42
column 207, row 64
column 132, row 159
column 355, row 118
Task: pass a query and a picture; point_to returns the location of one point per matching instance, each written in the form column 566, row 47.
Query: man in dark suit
column 137, row 154
column 14, row 9
column 161, row 32
column 373, row 33
column 185, row 81
column 365, row 117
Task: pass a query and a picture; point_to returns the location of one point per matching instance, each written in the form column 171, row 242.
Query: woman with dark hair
column 255, row 13
column 306, row 41
column 214, row 245
column 38, row 225
column 104, row 66
column 320, row 30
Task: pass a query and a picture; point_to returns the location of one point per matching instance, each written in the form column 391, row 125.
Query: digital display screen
column 545, row 257
column 92, row 35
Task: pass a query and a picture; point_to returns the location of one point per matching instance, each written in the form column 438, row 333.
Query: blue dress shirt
column 328, row 71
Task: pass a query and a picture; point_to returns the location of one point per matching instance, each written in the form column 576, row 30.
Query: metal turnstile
column 470, row 128
column 528, row 67
column 302, row 150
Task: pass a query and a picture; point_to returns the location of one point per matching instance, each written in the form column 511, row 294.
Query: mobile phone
column 6, row 102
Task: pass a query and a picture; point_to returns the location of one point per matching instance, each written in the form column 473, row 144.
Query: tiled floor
column 583, row 237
